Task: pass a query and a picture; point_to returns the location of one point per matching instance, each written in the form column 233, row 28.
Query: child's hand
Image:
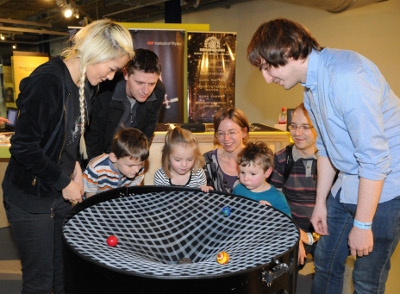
column 263, row 202
column 302, row 254
column 206, row 188
column 88, row 194
column 4, row 120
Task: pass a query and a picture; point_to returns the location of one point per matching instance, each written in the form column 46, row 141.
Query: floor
column 10, row 270
column 10, row 267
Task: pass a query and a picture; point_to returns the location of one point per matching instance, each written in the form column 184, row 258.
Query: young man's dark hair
column 279, row 39
column 144, row 60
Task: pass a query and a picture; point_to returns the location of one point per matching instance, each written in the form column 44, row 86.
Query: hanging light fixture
column 68, row 11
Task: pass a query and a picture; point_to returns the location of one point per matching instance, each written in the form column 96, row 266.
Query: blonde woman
column 43, row 177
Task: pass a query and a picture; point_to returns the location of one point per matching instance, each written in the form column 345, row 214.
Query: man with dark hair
column 357, row 119
column 133, row 99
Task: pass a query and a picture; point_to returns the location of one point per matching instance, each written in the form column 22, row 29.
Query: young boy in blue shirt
column 255, row 166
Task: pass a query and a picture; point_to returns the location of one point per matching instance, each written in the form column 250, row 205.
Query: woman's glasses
column 231, row 134
column 294, row 127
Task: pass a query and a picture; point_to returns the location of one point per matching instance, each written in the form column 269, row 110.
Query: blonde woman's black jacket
column 33, row 177
column 107, row 112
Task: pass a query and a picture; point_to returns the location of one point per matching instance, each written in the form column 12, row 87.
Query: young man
column 295, row 173
column 357, row 119
column 255, row 166
column 133, row 99
column 123, row 167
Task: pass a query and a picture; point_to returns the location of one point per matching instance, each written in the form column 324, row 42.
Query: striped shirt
column 300, row 187
column 195, row 180
column 101, row 175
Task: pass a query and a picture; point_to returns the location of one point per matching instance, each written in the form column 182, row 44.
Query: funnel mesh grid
column 155, row 230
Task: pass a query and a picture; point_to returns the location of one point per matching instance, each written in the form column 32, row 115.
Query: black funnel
column 168, row 241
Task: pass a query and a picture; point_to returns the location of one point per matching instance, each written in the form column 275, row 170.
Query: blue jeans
column 38, row 237
column 371, row 271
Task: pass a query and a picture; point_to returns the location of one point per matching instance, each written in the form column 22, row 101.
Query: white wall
column 371, row 30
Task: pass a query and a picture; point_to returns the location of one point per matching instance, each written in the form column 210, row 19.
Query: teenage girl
column 182, row 162
column 44, row 177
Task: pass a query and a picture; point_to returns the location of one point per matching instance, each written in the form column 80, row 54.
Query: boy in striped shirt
column 123, row 167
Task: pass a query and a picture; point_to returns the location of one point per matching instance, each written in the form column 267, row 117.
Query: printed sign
column 211, row 74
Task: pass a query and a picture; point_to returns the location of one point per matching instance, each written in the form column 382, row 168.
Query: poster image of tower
column 211, row 74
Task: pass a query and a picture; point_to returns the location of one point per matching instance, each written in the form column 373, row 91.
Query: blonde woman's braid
column 82, row 105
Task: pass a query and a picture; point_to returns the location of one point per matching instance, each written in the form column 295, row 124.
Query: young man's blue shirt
column 357, row 119
column 273, row 196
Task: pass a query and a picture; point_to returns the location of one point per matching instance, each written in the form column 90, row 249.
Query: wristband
column 360, row 225
column 310, row 239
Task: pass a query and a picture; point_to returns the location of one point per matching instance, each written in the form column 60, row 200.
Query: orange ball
column 222, row 257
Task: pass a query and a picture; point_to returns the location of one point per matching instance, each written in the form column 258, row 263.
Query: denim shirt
column 357, row 119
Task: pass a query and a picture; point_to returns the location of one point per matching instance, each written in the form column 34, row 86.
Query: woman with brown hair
column 231, row 129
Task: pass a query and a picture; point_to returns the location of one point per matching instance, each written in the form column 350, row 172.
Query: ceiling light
column 2, row 37
column 68, row 12
column 14, row 46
